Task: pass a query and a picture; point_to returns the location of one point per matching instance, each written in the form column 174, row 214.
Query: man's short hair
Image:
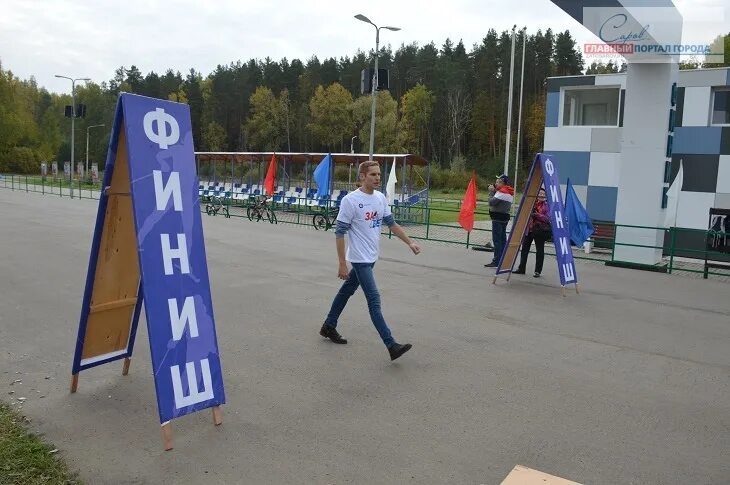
column 365, row 166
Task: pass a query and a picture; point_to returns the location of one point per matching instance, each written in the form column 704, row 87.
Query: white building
column 584, row 131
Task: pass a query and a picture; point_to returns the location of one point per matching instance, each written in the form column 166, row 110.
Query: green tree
column 601, row 68
column 214, row 137
column 721, row 44
column 416, row 108
column 331, row 116
column 535, row 125
column 485, row 123
column 568, row 60
column 264, row 128
column 286, row 116
column 386, row 122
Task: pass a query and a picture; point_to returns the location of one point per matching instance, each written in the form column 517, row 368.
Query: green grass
column 445, row 208
column 24, row 458
column 448, row 212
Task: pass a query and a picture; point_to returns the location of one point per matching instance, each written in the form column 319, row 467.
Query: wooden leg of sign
column 494, row 281
column 167, row 435
column 217, row 416
column 74, row 383
column 577, row 292
column 125, row 368
column 509, row 275
column 562, row 289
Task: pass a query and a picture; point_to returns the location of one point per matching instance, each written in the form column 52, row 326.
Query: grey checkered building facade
column 584, row 129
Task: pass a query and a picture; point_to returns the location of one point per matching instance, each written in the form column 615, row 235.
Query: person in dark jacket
column 538, row 230
column 501, row 196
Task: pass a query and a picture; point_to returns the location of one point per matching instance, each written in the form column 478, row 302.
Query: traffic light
column 68, row 112
column 366, row 80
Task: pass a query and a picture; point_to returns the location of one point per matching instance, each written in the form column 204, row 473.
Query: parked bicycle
column 260, row 209
column 216, row 204
column 325, row 220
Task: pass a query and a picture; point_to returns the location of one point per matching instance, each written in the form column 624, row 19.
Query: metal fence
column 683, row 250
column 76, row 189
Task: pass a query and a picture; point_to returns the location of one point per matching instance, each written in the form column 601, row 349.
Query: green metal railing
column 438, row 223
column 76, row 189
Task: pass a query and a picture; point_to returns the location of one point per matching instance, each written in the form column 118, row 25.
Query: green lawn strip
column 24, row 458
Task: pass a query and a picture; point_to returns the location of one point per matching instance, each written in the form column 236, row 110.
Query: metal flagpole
column 519, row 116
column 509, row 103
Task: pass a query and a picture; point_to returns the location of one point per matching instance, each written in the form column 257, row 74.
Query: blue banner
column 177, row 299
column 558, row 220
column 581, row 226
column 322, row 176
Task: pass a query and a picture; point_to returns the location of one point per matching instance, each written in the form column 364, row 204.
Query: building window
column 591, row 106
column 721, row 107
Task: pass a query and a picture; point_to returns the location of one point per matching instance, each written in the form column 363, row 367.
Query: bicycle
column 325, row 220
column 260, row 209
column 214, row 205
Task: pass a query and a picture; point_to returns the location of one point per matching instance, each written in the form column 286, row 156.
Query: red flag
column 466, row 215
column 270, row 176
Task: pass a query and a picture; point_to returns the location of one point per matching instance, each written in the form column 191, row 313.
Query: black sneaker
column 518, row 271
column 397, row 350
column 491, row 265
column 331, row 333
column 536, row 275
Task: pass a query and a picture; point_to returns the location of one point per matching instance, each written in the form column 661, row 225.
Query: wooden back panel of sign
column 521, row 475
column 116, row 280
column 512, row 250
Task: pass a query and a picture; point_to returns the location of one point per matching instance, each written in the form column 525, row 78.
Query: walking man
column 362, row 212
column 501, row 196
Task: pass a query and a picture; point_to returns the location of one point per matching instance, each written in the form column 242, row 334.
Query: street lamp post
column 352, row 151
column 73, row 117
column 374, row 85
column 87, row 144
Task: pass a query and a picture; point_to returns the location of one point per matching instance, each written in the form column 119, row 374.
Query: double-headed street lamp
column 87, row 145
column 374, row 85
column 73, row 117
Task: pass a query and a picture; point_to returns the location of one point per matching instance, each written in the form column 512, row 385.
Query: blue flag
column 322, row 176
column 579, row 223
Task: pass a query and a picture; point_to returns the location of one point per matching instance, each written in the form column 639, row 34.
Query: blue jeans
column 361, row 275
column 499, row 237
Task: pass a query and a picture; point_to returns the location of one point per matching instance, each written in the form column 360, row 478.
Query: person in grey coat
column 501, row 197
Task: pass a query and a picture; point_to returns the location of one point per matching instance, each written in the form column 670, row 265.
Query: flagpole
column 509, row 103
column 519, row 116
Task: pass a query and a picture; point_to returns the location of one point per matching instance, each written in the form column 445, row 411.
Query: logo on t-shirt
column 373, row 217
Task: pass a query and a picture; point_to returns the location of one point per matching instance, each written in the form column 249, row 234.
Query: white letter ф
column 162, row 119
column 549, row 168
column 195, row 396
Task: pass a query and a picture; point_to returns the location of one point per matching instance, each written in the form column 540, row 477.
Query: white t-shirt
column 365, row 213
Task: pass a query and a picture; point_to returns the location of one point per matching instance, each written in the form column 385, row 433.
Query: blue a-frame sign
column 148, row 248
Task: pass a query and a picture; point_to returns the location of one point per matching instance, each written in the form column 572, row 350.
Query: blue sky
column 91, row 39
